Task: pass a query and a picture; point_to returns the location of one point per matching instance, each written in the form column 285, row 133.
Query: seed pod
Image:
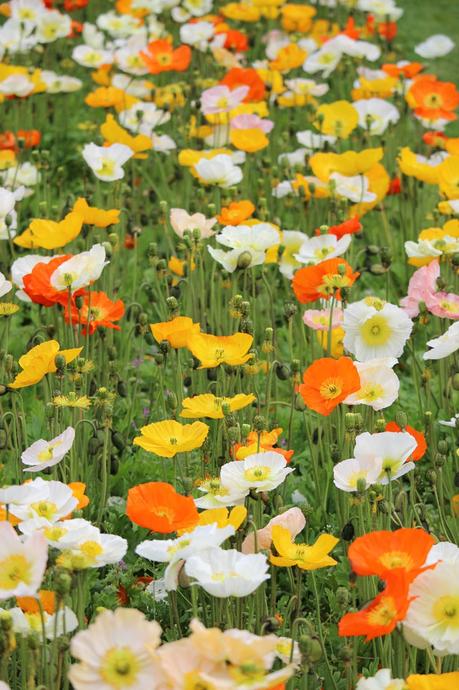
column 282, row 372
column 348, row 532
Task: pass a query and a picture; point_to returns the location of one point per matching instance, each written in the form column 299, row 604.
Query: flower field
column 229, row 339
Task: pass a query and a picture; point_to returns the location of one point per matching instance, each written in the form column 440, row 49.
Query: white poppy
column 53, row 25
column 23, row 563
column 352, row 187
column 374, row 328
column 317, row 249
column 5, row 285
column 107, row 162
column 261, row 472
column 435, row 46
column 312, row 140
column 47, row 502
column 445, row 345
column 379, row 384
column 382, row 680
column 92, row 57
column 43, row 454
column 350, row 475
column 81, row 270
column 219, row 170
column 376, row 114
column 62, row 622
column 227, row 572
column 392, row 448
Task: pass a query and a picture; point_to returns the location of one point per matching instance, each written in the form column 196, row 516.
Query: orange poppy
column 238, row 76
column 433, row 99
column 37, row 284
column 380, row 553
column 348, row 227
column 235, row 40
column 261, row 443
column 160, row 56
column 327, row 382
column 417, row 435
column 46, row 597
column 78, row 490
column 236, row 213
column 323, row 280
column 381, row 615
column 97, row 311
column 410, row 70
column 159, row 508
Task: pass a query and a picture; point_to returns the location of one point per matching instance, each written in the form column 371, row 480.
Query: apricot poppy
column 177, row 332
column 433, row 99
column 417, row 435
column 239, row 76
column 158, row 507
column 381, row 615
column 381, row 553
column 327, row 382
column 78, row 490
column 323, row 280
column 169, row 437
column 97, row 311
column 237, row 212
column 160, row 56
column 213, row 350
column 37, row 283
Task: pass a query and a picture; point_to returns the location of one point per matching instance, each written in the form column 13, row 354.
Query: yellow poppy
column 448, row 177
column 289, row 57
column 349, row 163
column 213, row 350
column 224, row 517
column 337, row 338
column 113, row 133
column 39, row 361
column 440, row 681
column 297, row 17
column 209, row 405
column 177, row 331
column 95, row 216
column 339, row 118
column 302, row 555
column 410, row 165
column 249, row 140
column 168, row 438
column 49, row 234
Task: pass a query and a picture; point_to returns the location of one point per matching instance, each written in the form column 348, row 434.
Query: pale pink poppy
column 319, row 319
column 222, row 99
column 293, row 520
column 182, row 221
column 250, row 121
column 444, row 304
column 422, row 286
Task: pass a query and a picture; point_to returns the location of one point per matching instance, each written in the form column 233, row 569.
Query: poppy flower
column 304, row 556
column 236, row 212
column 323, row 280
column 39, row 361
column 327, row 382
column 37, row 283
column 405, row 69
column 158, row 507
column 209, row 405
column 238, row 76
column 433, row 99
column 113, row 133
column 339, row 118
column 97, row 311
column 418, row 436
column 437, row 681
column 96, row 216
column 169, row 437
column 49, row 234
column 45, row 597
column 380, row 553
column 213, row 350
column 160, row 56
column 177, row 332
column 108, row 97
column 263, row 442
column 78, row 490
column 235, row 40
column 381, row 615
column 348, row 227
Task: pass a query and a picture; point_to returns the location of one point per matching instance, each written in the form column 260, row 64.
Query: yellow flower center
column 384, row 613
column 433, row 100
column 396, row 559
column 14, row 570
column 120, row 667
column 107, row 168
column 257, row 474
column 164, row 59
column 55, row 533
column 45, row 509
column 91, row 549
column 376, row 331
column 331, row 388
column 446, row 610
column 371, row 392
